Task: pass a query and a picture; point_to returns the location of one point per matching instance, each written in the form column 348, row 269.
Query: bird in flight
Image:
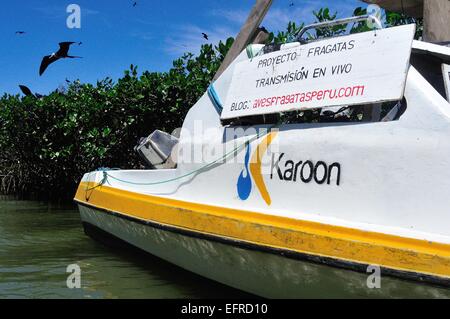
column 205, row 36
column 20, row 32
column 62, row 53
column 291, row 4
column 25, row 90
column 135, row 4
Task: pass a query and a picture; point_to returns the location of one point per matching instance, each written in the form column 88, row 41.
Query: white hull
column 260, row 273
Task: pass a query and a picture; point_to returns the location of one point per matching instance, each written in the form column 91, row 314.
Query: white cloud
column 58, row 11
column 188, row 38
column 233, row 16
column 146, row 36
column 278, row 19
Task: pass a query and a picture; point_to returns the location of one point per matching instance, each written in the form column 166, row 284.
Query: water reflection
column 38, row 241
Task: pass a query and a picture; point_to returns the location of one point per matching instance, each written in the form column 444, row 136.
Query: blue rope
column 215, row 99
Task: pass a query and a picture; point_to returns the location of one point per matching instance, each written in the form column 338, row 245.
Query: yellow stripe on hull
column 347, row 244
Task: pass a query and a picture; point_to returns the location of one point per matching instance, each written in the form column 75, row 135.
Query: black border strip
column 329, row 261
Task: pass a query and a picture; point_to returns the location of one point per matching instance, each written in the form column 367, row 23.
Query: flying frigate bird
column 20, row 32
column 205, row 36
column 27, row 92
column 62, row 53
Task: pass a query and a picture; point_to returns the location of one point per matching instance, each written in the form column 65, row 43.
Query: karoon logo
column 285, row 170
column 253, row 170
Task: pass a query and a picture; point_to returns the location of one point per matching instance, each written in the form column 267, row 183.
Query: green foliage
column 395, row 19
column 322, row 15
column 49, row 143
column 286, row 36
column 390, row 19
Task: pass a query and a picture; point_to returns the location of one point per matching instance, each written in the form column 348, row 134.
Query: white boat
column 285, row 209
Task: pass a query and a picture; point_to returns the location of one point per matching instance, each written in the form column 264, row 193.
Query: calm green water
column 38, row 241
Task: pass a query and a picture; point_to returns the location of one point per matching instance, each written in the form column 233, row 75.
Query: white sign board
column 355, row 69
column 446, row 73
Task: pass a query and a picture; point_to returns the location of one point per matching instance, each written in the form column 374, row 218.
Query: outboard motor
column 156, row 150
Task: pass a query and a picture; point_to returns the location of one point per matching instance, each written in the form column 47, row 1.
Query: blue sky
column 115, row 34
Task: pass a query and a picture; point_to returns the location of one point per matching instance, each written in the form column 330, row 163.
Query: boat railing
column 369, row 18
